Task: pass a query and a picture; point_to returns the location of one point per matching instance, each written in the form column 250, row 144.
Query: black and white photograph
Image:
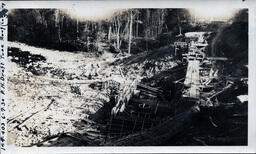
column 93, row 76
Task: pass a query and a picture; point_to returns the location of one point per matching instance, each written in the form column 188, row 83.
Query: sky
column 204, row 13
column 209, row 13
column 91, row 12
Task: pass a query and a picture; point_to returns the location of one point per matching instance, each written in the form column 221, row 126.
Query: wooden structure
column 167, row 128
column 192, row 79
column 159, row 134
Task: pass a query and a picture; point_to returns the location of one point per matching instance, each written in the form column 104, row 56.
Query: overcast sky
column 95, row 13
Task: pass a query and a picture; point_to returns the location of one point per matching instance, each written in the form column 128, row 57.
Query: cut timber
column 155, row 90
column 148, row 92
column 161, row 133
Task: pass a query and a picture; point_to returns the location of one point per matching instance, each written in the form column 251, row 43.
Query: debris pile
column 206, row 95
column 147, row 64
column 153, row 98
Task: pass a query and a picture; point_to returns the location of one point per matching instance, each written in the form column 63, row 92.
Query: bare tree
column 120, row 27
column 130, row 35
column 109, row 32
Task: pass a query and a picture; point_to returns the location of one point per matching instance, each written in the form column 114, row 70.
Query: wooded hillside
column 55, row 28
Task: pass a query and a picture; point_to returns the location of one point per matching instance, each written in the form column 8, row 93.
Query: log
column 148, row 95
column 161, row 133
column 219, row 92
column 155, row 90
column 22, row 123
column 148, row 92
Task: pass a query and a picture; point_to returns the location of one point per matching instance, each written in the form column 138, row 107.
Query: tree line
column 124, row 30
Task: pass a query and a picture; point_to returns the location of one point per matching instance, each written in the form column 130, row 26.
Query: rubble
column 144, row 99
column 192, row 93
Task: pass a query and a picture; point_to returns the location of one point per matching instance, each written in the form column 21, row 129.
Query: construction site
column 189, row 90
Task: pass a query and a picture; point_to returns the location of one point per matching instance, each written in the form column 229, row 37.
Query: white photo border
column 250, row 4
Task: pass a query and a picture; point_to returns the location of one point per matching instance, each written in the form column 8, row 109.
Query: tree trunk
column 109, row 32
column 130, row 35
column 77, row 29
column 179, row 24
column 147, row 40
column 57, row 23
column 147, row 27
column 118, row 35
column 179, row 30
column 137, row 29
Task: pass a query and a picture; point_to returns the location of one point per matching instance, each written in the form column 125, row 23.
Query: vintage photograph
column 127, row 77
